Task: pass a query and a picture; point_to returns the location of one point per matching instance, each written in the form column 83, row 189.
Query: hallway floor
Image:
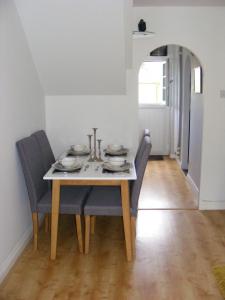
column 166, row 187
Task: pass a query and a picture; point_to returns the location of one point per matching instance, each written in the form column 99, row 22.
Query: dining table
column 92, row 174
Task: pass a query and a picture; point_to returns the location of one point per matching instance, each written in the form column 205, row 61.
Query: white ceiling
column 179, row 2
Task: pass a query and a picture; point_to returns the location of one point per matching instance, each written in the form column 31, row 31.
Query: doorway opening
column 171, row 107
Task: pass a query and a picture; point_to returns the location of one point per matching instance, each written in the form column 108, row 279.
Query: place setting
column 78, row 150
column 67, row 165
column 116, row 150
column 116, row 164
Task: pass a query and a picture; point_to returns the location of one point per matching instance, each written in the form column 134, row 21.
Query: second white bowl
column 117, row 161
column 79, row 148
column 115, row 147
column 68, row 161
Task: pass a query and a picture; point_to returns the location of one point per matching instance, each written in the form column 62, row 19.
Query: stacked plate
column 116, row 164
column 116, row 150
column 67, row 164
column 79, row 150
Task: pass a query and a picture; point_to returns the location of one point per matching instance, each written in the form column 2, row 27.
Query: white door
column 157, row 120
column 186, row 102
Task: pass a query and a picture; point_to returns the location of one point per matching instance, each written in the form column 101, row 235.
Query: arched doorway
column 175, row 116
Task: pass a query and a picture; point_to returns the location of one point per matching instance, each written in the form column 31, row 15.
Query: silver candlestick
column 95, row 150
column 99, row 150
column 91, row 157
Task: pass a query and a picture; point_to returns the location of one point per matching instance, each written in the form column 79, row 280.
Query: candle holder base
column 91, row 159
column 100, row 160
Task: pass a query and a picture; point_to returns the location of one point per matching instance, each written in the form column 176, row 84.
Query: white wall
column 70, row 118
column 200, row 30
column 76, row 43
column 21, row 112
column 128, row 23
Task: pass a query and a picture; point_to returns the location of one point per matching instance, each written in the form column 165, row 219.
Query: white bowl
column 79, row 148
column 68, row 161
column 115, row 147
column 116, row 161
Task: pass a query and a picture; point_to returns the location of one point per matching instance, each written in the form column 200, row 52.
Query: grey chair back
column 33, row 169
column 141, row 146
column 147, row 132
column 140, row 170
column 45, row 148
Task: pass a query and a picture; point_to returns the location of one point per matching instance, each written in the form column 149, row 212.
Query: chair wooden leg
column 47, row 223
column 93, row 220
column 79, row 233
column 133, row 228
column 35, row 230
column 87, row 233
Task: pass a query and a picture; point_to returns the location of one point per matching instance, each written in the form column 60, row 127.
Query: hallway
column 166, row 187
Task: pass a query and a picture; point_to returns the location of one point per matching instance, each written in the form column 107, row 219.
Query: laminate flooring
column 165, row 187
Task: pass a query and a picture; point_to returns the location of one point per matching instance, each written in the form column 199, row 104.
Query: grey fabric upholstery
column 140, row 170
column 45, row 148
column 33, row 169
column 107, row 200
column 140, row 150
column 104, row 201
column 71, row 199
column 147, row 132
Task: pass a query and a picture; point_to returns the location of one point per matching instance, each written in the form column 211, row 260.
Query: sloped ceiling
column 179, row 2
column 78, row 46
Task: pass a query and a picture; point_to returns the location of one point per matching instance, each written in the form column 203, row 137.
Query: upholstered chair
column 106, row 201
column 72, row 199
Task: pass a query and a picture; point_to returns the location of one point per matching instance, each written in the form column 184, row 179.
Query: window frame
column 157, row 106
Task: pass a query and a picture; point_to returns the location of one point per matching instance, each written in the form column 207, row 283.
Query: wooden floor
column 175, row 253
column 165, row 187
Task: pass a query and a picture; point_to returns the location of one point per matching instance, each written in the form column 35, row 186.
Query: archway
column 175, row 121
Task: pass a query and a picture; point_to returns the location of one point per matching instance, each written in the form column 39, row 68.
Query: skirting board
column 6, row 266
column 206, row 205
column 211, row 205
column 193, row 185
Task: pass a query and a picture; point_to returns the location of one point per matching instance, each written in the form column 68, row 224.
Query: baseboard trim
column 211, row 205
column 15, row 253
column 193, row 185
column 17, row 250
column 159, row 153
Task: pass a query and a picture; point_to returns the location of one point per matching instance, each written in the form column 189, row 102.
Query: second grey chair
column 106, row 201
column 146, row 132
column 45, row 148
column 72, row 199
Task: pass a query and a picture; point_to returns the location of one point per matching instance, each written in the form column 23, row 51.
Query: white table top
column 93, row 172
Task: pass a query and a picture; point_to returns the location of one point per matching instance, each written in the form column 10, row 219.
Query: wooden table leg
column 126, row 217
column 55, row 216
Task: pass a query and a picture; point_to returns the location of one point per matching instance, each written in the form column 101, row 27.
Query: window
column 153, row 83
